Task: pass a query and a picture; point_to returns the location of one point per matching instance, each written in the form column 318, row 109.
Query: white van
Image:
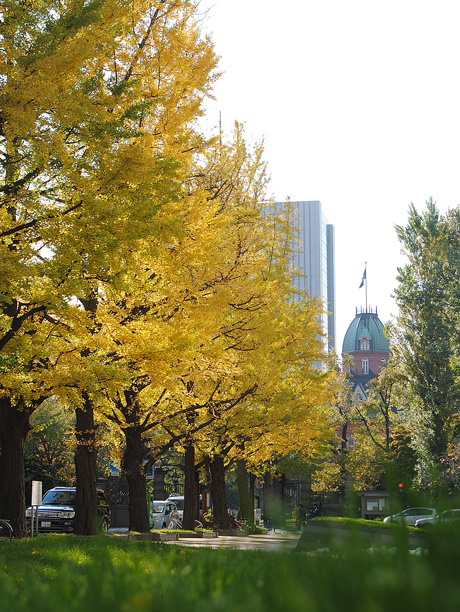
column 161, row 513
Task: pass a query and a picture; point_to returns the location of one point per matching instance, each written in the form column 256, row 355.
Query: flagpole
column 365, row 281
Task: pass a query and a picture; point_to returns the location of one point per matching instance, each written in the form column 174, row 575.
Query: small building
column 375, row 504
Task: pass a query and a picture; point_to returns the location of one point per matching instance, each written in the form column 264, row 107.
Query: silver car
column 161, row 514
column 410, row 516
column 448, row 516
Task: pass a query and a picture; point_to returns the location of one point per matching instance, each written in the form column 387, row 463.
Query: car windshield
column 418, row 512
column 158, row 507
column 59, row 498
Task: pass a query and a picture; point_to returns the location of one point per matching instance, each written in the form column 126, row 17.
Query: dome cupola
column 365, row 333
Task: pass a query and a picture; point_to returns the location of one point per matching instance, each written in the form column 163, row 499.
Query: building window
column 383, row 362
column 365, row 365
column 372, row 505
column 351, row 443
column 365, row 344
column 376, row 505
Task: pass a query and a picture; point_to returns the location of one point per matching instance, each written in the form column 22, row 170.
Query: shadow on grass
column 106, row 575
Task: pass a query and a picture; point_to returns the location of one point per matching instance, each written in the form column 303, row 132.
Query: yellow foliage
column 97, row 104
column 141, row 266
column 217, row 351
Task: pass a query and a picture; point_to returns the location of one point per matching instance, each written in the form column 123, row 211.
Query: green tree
column 425, row 337
column 50, row 446
column 378, row 426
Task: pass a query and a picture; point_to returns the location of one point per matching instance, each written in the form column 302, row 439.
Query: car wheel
column 104, row 526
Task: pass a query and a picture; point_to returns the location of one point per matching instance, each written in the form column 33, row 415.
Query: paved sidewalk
column 272, row 541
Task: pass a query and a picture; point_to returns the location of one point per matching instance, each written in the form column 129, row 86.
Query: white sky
column 359, row 105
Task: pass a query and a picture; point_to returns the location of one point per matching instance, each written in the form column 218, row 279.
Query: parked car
column 57, row 511
column 410, row 516
column 161, row 513
column 448, row 516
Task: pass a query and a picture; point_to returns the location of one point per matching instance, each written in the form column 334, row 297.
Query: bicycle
column 175, row 522
column 234, row 524
column 6, row 531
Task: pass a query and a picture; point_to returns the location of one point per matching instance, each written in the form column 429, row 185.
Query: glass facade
column 315, row 260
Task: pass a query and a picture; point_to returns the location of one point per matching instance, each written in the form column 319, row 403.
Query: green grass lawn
column 102, row 574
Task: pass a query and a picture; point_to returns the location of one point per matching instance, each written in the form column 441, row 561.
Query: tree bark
column 219, row 497
column 188, row 520
column 85, row 470
column 244, row 492
column 269, row 501
column 281, row 497
column 14, row 427
column 342, row 459
column 133, row 465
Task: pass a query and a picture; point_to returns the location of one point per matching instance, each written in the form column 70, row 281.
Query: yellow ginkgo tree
column 210, row 327
column 97, row 103
column 163, row 328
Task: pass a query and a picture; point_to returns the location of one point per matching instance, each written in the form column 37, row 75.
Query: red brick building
column 366, row 343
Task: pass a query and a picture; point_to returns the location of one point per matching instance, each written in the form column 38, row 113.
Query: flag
column 364, row 278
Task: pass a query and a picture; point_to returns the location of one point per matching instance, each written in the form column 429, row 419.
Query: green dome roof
column 369, row 325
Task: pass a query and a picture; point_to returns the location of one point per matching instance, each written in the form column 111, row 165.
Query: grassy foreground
column 55, row 573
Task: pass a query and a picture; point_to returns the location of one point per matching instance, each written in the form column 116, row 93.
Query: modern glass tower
column 315, row 260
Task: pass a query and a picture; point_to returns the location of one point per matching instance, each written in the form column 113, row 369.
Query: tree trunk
column 133, row 465
column 269, row 501
column 244, row 492
column 282, row 497
column 252, row 480
column 343, row 460
column 219, row 497
column 14, row 427
column 85, row 470
column 277, row 511
column 188, row 521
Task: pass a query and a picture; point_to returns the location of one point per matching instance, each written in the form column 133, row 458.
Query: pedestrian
column 268, row 523
column 315, row 511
